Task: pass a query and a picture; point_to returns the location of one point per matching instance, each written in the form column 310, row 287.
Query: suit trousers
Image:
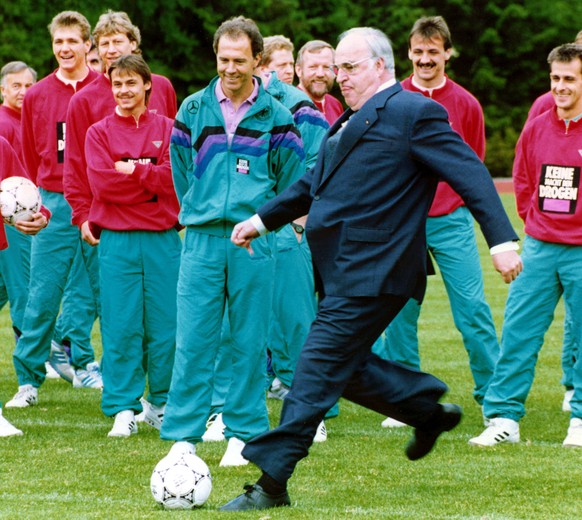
column 336, row 361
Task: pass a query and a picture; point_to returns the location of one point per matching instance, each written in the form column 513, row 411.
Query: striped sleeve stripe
column 287, row 136
column 207, row 132
column 181, row 135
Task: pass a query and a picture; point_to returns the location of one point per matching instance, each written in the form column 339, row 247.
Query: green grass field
column 65, row 466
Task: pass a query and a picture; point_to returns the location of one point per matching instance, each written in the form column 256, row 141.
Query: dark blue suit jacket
column 368, row 203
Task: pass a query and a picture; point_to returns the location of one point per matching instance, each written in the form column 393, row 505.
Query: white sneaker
column 27, row 395
column 6, row 429
column 152, row 414
column 89, row 377
column 321, row 433
column 155, row 416
column 499, row 430
column 278, row 390
column 140, row 417
column 51, row 373
column 568, row 394
column 124, row 424
column 180, row 447
column 389, row 422
column 232, row 456
column 574, row 437
column 60, row 362
column 215, row 431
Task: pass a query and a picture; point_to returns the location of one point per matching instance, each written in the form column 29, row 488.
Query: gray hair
column 14, row 67
column 379, row 44
column 312, row 46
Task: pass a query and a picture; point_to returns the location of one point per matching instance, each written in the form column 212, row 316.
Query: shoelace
column 249, row 488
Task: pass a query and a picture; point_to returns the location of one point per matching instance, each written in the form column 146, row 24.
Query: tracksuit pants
column 52, row 253
column 139, row 276
column 15, row 269
column 80, row 307
column 294, row 303
column 212, row 272
column 549, row 271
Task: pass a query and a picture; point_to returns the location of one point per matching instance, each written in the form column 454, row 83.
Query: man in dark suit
column 368, row 199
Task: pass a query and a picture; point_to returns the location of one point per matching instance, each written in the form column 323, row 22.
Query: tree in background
column 501, row 46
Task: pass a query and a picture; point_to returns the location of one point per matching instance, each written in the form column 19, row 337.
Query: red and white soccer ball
column 181, row 481
column 19, row 199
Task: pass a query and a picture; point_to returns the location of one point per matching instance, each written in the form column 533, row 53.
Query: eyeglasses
column 349, row 68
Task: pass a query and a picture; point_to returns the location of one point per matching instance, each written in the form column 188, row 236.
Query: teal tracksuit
column 220, row 182
column 15, row 271
column 550, row 271
column 294, row 300
column 570, row 348
column 294, row 303
column 79, row 308
column 138, row 271
column 59, row 242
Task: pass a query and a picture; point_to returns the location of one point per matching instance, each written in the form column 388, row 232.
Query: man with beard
column 316, row 77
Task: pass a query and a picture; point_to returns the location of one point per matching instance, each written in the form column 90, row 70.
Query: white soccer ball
column 19, row 199
column 181, row 481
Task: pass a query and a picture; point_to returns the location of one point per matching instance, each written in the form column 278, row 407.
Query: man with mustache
column 316, row 77
column 450, row 233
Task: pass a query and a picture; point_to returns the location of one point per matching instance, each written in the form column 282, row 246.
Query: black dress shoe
column 256, row 498
column 424, row 440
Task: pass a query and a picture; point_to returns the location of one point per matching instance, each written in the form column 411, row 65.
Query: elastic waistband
column 220, row 229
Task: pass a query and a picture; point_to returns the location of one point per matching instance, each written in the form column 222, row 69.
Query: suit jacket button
column 316, row 197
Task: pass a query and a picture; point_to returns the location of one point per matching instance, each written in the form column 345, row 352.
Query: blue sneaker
column 89, row 377
column 60, row 362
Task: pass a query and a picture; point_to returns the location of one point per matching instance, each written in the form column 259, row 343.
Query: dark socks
column 270, row 485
